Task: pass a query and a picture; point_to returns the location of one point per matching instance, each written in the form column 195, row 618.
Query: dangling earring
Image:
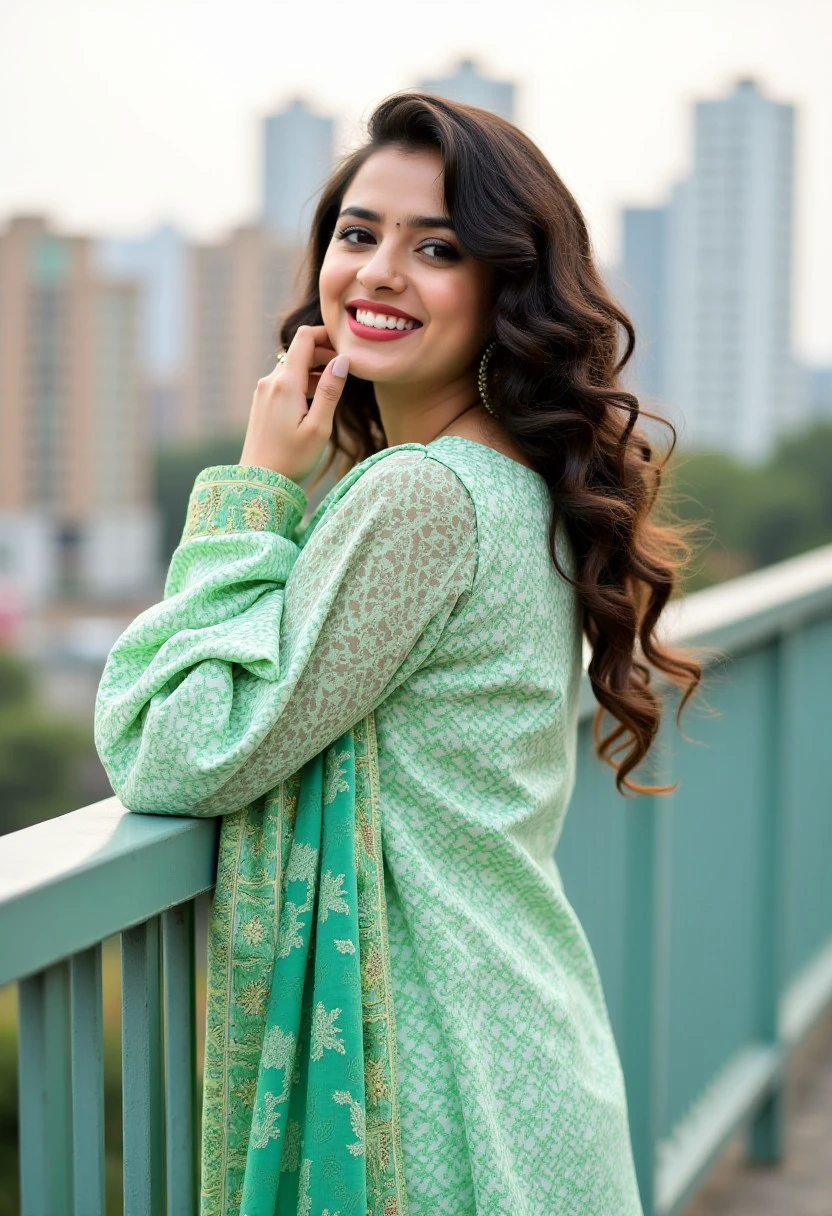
column 481, row 378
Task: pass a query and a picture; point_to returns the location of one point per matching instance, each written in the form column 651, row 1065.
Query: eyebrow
column 412, row 221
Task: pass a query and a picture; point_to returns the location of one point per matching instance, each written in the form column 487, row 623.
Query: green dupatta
column 299, row 1098
column 299, row 1114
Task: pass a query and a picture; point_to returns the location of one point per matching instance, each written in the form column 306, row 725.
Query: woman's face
column 390, row 258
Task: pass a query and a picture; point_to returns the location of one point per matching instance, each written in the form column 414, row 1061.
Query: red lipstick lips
column 369, row 331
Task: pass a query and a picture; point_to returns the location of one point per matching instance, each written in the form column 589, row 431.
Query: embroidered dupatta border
column 242, row 942
column 386, row 1126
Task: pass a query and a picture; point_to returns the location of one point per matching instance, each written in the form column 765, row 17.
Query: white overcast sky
column 117, row 115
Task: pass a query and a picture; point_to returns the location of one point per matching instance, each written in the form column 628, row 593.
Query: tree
column 41, row 753
column 753, row 515
column 809, row 455
column 780, row 515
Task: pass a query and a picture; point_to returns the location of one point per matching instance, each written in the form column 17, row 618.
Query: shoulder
column 416, row 479
column 409, row 487
column 402, row 506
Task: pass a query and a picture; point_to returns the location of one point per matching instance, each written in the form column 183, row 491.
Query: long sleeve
column 268, row 645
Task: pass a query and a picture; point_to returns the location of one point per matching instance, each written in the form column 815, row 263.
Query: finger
column 301, row 351
column 322, row 356
column 327, row 354
column 327, row 395
column 312, row 383
column 302, row 355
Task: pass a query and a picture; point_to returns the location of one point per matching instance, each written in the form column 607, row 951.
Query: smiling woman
column 394, row 266
column 405, row 1017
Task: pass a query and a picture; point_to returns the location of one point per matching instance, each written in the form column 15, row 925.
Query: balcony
column 709, row 912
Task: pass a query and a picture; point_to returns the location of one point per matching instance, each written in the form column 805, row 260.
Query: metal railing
column 709, row 912
column 66, row 886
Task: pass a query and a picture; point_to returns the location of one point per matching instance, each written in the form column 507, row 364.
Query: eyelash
column 449, row 255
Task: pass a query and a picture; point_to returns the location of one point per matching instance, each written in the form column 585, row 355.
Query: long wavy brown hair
column 554, row 380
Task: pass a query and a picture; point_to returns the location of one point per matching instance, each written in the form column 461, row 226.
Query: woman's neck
column 421, row 418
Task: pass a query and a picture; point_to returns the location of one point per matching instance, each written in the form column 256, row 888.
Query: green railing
column 709, row 912
column 66, row 886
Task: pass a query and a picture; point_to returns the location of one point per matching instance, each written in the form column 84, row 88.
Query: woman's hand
column 285, row 432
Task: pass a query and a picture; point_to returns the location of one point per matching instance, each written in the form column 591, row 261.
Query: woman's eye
column 343, row 233
column 444, row 251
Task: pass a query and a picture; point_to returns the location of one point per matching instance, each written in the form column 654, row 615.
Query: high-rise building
column 469, row 85
column 159, row 262
column 636, row 283
column 237, row 289
column 728, row 289
column 76, row 516
column 297, row 159
column 641, row 285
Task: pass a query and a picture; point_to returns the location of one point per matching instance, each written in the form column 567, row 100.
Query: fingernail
column 341, row 366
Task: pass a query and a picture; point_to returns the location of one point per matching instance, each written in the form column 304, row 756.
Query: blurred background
column 159, row 164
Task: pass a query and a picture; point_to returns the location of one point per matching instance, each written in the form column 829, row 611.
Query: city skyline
column 708, row 281
column 185, row 150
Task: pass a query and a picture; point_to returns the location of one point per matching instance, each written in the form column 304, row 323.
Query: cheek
column 457, row 297
column 460, row 307
column 332, row 280
column 326, row 282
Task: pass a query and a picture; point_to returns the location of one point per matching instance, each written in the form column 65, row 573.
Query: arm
column 264, row 650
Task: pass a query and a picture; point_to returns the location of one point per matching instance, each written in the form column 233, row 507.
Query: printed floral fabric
column 418, row 612
column 299, row 1108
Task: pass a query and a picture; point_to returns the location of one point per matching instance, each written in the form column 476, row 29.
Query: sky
column 119, row 115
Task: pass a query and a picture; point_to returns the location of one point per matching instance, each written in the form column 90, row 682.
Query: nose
column 380, row 270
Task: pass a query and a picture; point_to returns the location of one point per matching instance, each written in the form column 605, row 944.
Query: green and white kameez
column 390, row 688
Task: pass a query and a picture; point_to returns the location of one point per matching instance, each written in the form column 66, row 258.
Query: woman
column 422, row 635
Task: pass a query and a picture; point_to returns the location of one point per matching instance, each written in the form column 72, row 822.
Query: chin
column 364, row 370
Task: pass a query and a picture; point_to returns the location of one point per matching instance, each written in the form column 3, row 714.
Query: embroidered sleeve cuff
column 243, row 498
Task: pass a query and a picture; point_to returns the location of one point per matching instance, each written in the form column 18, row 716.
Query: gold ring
column 281, row 356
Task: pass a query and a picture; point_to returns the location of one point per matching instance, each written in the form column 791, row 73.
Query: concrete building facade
column 298, row 154
column 76, row 517
column 237, row 290
column 159, row 262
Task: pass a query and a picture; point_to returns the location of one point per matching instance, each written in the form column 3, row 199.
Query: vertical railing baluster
column 32, row 1090
column 647, row 922
column 142, row 1088
column 180, row 1057
column 88, row 1082
column 766, row 1131
column 45, row 1093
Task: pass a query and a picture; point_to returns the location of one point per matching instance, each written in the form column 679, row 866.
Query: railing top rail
column 77, row 879
column 776, row 595
column 746, row 611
